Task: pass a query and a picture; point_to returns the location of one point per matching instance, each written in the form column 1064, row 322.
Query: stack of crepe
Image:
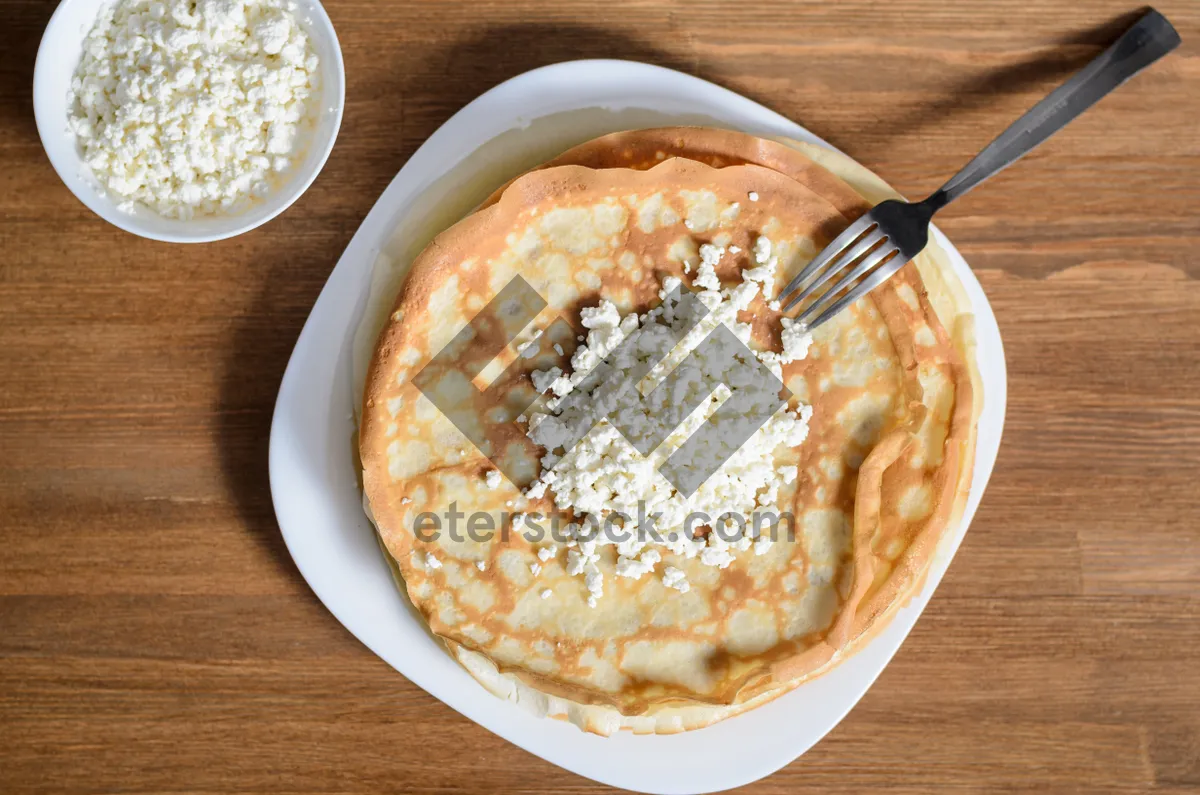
column 883, row 475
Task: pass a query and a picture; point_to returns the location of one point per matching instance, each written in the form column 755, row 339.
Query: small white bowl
column 58, row 57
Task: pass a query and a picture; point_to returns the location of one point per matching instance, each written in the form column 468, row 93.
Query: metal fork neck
column 936, row 201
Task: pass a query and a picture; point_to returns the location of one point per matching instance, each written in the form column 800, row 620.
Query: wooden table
column 155, row 636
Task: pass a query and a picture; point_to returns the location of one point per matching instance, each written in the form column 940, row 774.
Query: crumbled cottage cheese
column 675, row 578
column 604, row 474
column 193, row 108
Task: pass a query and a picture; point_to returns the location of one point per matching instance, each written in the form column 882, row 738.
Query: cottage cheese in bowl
column 189, row 120
column 193, row 107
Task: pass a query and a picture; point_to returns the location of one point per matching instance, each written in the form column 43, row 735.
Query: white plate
column 313, row 480
column 58, row 57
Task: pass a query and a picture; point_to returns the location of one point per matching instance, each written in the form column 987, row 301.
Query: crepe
column 892, row 395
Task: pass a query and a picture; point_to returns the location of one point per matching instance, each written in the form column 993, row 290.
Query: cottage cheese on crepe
column 604, row 474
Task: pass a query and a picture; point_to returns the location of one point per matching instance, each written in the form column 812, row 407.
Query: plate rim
column 480, row 706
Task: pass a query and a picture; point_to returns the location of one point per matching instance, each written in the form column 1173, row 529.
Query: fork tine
column 873, row 280
column 839, row 244
column 868, row 262
column 872, row 239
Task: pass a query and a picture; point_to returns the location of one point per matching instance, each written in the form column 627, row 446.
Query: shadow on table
column 452, row 76
column 1043, row 72
column 22, row 34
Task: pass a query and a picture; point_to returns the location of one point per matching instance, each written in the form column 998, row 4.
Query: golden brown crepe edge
column 718, row 148
column 964, row 342
column 946, row 295
column 457, row 244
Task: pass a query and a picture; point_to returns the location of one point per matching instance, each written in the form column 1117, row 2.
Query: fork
column 879, row 243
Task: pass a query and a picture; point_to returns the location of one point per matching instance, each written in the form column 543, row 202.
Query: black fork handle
column 1149, row 39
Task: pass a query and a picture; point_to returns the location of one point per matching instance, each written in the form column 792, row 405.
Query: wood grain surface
column 155, row 636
